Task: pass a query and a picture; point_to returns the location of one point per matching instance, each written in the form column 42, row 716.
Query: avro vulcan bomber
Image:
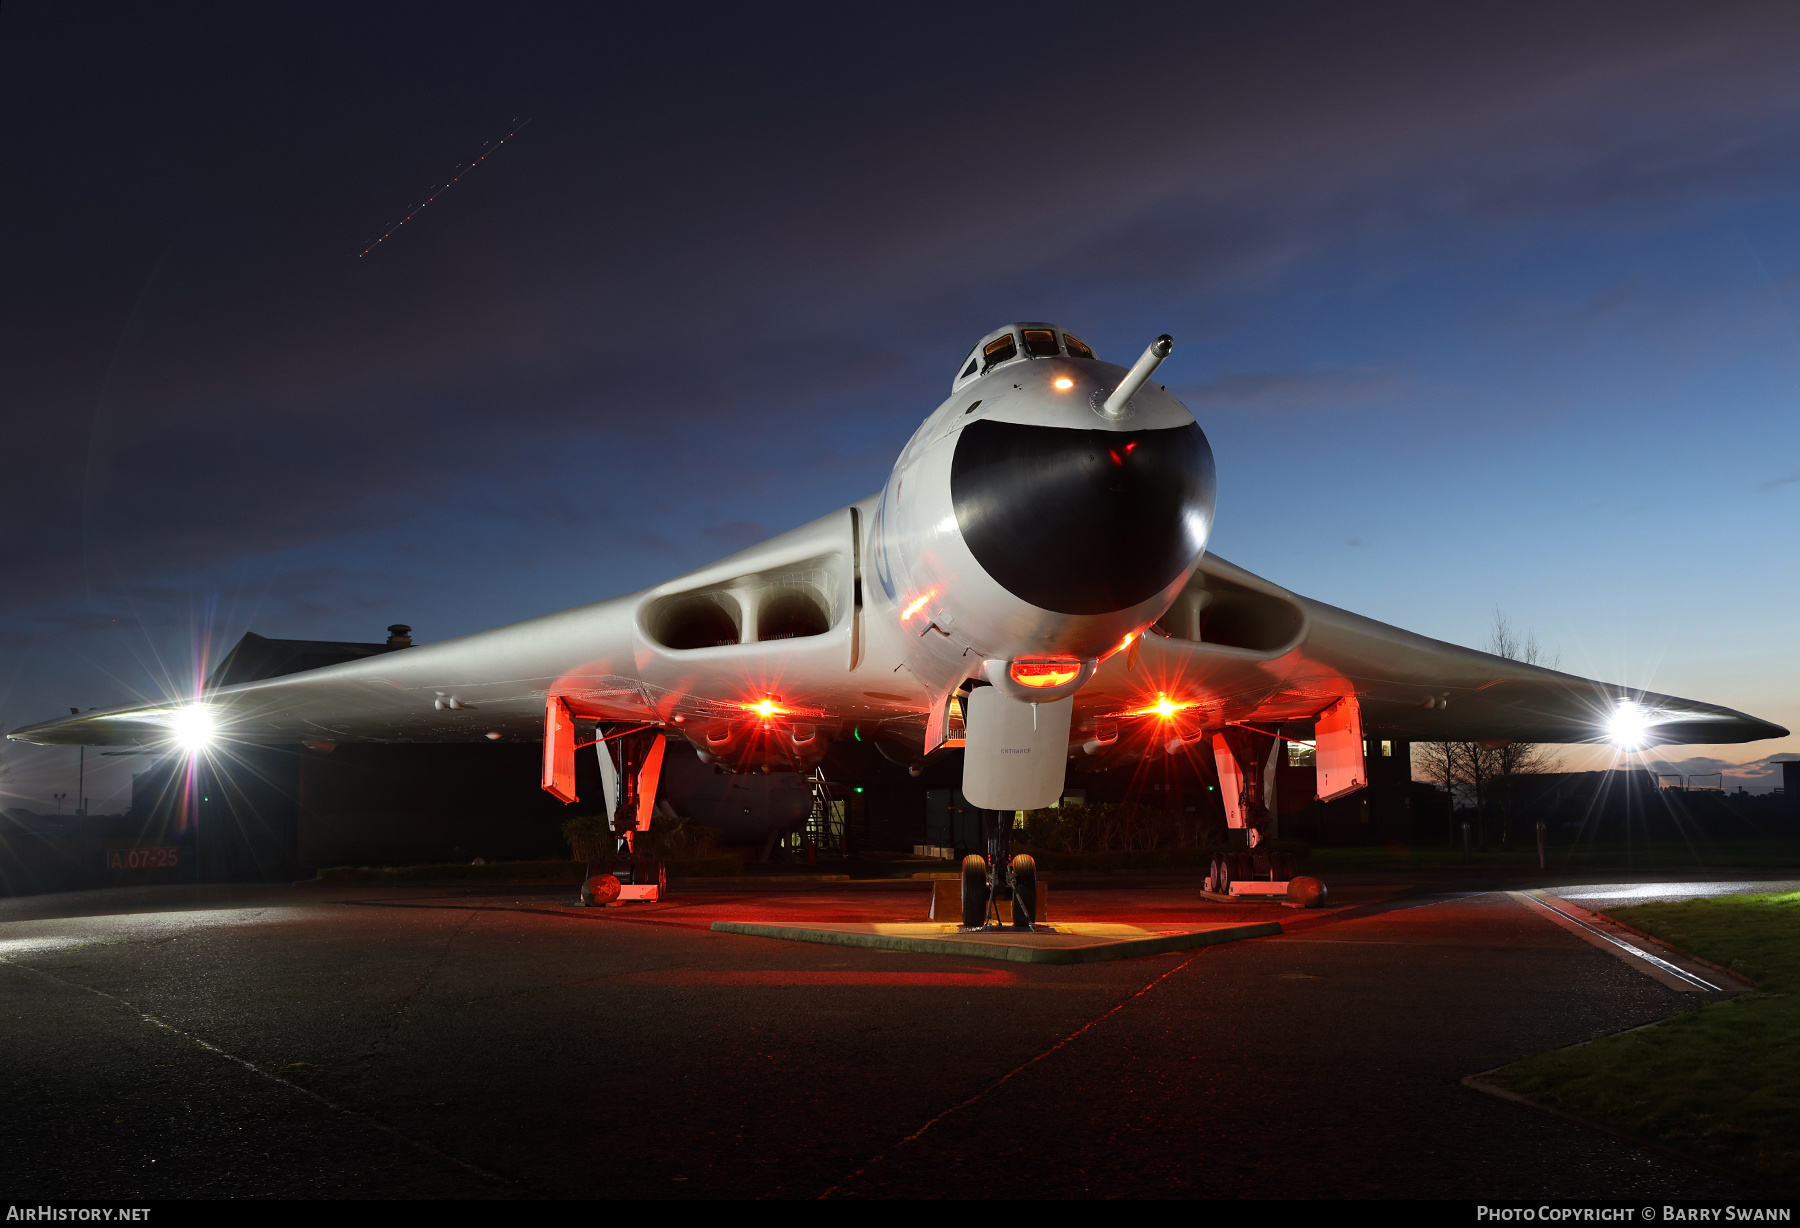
column 1032, row 582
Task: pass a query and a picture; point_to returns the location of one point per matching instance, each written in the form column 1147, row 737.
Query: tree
column 1440, row 762
column 1508, row 761
column 1486, row 774
column 1477, row 763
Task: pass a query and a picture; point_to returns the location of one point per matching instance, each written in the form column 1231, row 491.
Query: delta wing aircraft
column 1032, row 583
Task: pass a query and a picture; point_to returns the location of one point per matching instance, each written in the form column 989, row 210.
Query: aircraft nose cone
column 1080, row 521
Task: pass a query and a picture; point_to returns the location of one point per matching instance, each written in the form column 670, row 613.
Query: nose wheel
column 974, row 892
column 987, row 880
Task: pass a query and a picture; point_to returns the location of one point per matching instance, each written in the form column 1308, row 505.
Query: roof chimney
column 399, row 636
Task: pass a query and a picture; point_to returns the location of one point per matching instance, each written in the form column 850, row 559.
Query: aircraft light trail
column 460, row 170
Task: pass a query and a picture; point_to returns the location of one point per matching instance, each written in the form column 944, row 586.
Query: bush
column 673, row 838
column 589, row 835
column 1120, row 827
column 679, row 838
column 1196, row 859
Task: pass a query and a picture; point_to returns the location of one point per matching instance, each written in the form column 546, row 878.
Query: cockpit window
column 998, row 351
column 970, row 369
column 1076, row 348
column 1040, row 343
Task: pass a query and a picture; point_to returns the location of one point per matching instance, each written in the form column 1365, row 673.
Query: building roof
column 257, row 657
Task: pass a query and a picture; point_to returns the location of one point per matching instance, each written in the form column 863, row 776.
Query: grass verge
column 1721, row 1083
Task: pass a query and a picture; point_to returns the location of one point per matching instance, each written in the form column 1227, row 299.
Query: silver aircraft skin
column 1043, row 532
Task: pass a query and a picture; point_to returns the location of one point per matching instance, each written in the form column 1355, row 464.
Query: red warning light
column 1164, row 708
column 1045, row 671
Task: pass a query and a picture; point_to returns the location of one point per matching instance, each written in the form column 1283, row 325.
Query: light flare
column 1628, row 726
column 765, row 708
column 193, row 728
column 917, row 605
column 1065, row 383
column 1164, row 708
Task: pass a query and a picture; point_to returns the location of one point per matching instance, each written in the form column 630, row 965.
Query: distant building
column 254, row 657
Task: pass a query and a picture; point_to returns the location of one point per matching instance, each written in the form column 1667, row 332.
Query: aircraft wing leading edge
column 1235, row 648
column 1275, row 657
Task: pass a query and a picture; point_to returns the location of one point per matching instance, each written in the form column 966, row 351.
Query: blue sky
column 1486, row 309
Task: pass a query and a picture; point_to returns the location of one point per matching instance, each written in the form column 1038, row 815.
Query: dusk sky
column 1483, row 307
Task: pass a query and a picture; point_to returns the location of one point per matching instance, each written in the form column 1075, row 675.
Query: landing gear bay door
column 1340, row 751
column 1016, row 753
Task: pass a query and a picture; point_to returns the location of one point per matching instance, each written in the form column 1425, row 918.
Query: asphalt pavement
column 319, row 1042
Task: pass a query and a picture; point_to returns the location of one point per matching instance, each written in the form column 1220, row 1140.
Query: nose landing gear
column 1001, row 876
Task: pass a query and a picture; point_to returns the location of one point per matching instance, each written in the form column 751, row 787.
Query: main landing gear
column 1262, row 875
column 1246, row 760
column 629, row 874
column 1250, row 873
column 999, row 877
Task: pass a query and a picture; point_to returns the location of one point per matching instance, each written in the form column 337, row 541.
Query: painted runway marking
column 1658, row 969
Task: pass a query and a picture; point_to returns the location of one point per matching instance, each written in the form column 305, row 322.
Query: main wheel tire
column 974, row 891
column 1024, row 893
column 1222, row 875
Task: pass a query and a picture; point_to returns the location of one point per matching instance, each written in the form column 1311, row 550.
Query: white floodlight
column 1628, row 728
column 192, row 728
